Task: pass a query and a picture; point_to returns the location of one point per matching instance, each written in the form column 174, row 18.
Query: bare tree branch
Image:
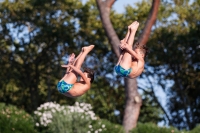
column 133, row 99
column 104, row 10
column 143, row 38
column 156, row 99
column 109, row 3
column 144, row 90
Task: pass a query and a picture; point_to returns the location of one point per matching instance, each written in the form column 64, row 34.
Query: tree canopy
column 36, row 37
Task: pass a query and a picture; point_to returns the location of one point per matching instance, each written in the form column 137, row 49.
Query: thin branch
column 107, row 25
column 154, row 96
column 143, row 38
column 147, row 92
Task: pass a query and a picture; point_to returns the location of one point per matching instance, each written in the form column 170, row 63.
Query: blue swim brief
column 64, row 87
column 121, row 71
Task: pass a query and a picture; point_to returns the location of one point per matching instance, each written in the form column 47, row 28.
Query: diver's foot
column 87, row 48
column 134, row 26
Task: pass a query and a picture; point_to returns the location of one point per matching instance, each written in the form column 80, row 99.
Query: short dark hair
column 90, row 74
column 143, row 48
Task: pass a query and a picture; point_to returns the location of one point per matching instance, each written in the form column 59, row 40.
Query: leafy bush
column 15, row 120
column 153, row 128
column 53, row 118
column 105, row 126
column 73, row 119
column 196, row 129
column 43, row 115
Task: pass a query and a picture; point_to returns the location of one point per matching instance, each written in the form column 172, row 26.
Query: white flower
column 81, row 104
column 39, row 113
column 90, row 126
column 39, row 108
column 64, row 112
column 37, row 124
column 77, row 103
column 46, row 110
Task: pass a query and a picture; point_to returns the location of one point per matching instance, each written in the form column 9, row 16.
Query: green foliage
column 36, row 41
column 105, row 126
column 152, row 128
column 150, row 110
column 15, row 120
column 196, row 129
column 174, row 56
column 51, row 117
column 37, row 36
column 70, row 121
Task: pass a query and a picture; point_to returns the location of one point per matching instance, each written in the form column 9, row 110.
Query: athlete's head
column 143, row 49
column 90, row 74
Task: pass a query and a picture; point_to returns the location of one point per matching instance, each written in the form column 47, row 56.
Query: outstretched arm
column 78, row 71
column 128, row 48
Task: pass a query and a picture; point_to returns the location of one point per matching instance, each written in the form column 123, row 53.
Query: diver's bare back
column 137, row 68
column 79, row 88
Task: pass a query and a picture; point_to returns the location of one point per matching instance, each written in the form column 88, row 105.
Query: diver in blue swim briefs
column 64, row 87
column 131, row 61
column 68, row 85
column 121, row 71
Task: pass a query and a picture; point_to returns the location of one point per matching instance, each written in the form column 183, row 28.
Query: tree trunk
column 133, row 100
column 133, row 103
